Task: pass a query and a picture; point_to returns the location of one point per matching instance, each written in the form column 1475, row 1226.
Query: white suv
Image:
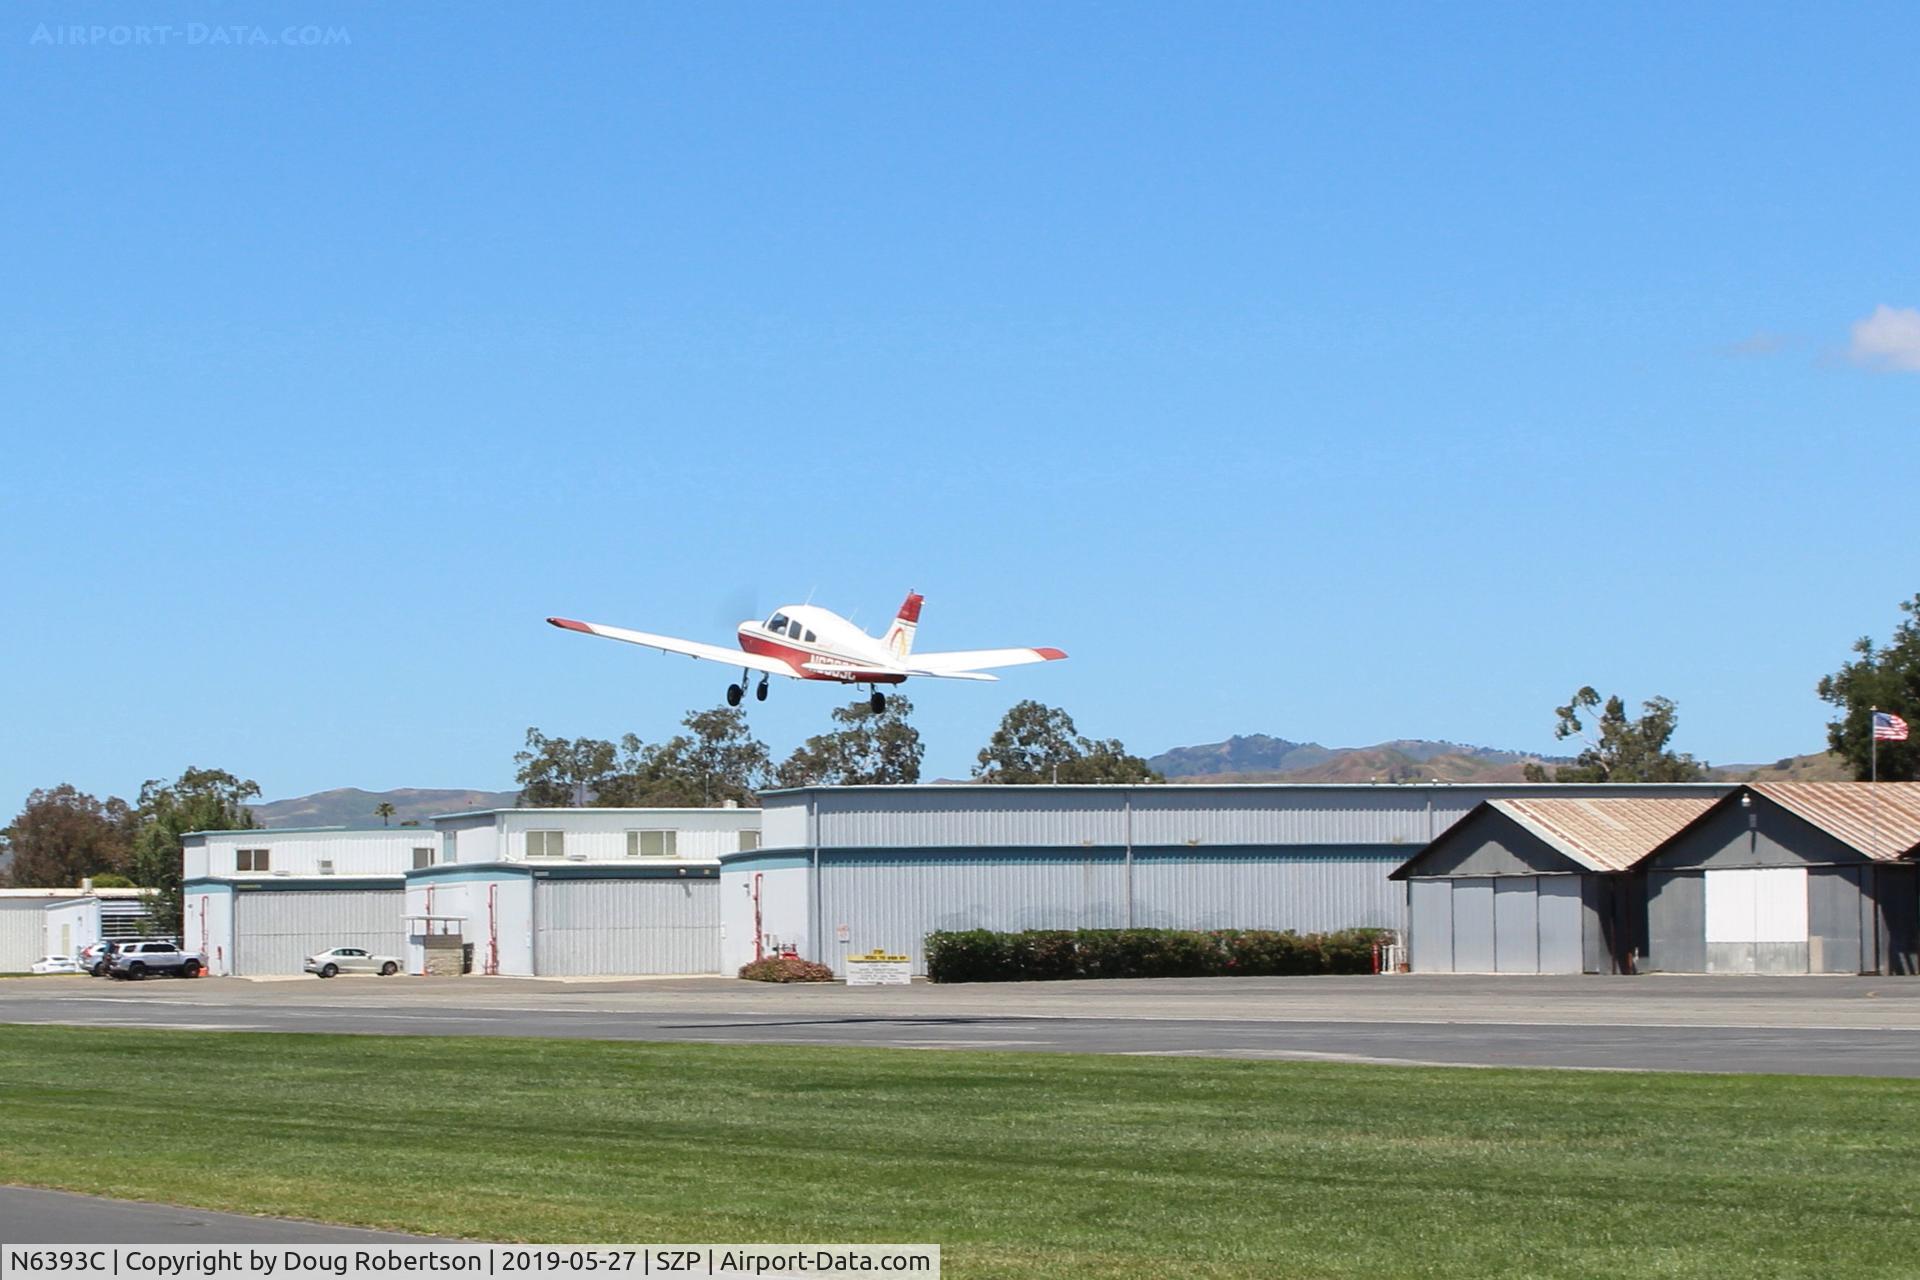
column 138, row 959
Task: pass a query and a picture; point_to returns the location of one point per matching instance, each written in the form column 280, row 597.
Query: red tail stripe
column 910, row 611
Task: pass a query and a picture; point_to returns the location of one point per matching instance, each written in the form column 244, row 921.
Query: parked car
column 351, row 960
column 55, row 964
column 138, row 959
column 95, row 956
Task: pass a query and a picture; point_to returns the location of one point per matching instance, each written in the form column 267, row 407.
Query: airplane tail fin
column 899, row 637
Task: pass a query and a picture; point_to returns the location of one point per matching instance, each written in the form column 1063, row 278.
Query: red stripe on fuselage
column 767, row 647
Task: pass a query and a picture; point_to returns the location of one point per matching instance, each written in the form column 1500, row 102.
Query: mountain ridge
column 1241, row 758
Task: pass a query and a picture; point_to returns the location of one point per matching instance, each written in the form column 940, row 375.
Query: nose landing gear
column 760, row 690
column 734, row 694
column 877, row 703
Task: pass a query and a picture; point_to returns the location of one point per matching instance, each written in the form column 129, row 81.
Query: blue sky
column 1337, row 372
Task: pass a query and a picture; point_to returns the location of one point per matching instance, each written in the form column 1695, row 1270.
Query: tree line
column 717, row 759
column 63, row 835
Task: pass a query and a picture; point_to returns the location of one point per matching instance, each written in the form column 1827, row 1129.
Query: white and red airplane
column 806, row 642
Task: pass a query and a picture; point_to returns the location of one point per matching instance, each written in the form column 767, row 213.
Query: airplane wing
column 965, row 663
column 670, row 644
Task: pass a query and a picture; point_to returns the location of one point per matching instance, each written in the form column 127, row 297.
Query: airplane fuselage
column 818, row 644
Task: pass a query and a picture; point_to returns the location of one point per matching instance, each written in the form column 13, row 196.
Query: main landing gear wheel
column 877, row 703
column 760, row 690
column 734, row 694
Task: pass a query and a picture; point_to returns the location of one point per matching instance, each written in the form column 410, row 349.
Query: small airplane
column 806, row 642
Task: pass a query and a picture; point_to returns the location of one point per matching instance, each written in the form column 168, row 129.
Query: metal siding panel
column 1204, row 816
column 783, row 823
column 1516, row 924
column 1833, row 920
column 1003, row 817
column 1269, row 889
column 1898, row 893
column 1430, row 905
column 274, row 932
column 586, row 928
column 1473, row 950
column 1562, row 917
column 386, row 852
column 23, row 933
column 1024, row 817
column 894, row 904
column 1676, row 922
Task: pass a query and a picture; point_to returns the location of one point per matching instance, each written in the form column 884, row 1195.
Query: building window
column 326, row 866
column 422, row 858
column 449, row 847
column 546, row 844
column 251, row 860
column 650, row 844
column 749, row 841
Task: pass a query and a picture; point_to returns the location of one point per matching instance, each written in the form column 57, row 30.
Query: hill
column 1261, row 758
column 352, row 807
column 1821, row 766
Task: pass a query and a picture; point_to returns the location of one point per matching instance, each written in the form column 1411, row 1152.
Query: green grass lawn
column 1018, row 1164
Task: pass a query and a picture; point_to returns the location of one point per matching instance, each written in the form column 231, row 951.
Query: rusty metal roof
column 1879, row 819
column 1604, row 834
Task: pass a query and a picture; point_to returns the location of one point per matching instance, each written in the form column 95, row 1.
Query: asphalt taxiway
column 1823, row 1026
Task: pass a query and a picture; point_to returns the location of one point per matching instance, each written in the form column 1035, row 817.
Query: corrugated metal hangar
column 1520, row 878
column 1777, row 878
column 843, row 870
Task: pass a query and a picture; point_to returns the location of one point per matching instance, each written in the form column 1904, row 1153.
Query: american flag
column 1888, row 727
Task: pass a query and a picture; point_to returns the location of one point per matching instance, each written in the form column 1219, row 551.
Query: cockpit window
column 793, row 629
column 778, row 622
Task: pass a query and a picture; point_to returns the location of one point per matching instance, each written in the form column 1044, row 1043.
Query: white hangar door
column 1756, row 920
column 275, row 932
column 586, row 928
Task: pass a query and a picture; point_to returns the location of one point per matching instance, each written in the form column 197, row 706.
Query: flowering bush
column 785, row 969
column 1037, row 955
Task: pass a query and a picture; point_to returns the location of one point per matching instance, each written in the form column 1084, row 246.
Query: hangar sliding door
column 1430, row 915
column 275, row 931
column 1756, row 920
column 1516, row 924
column 1473, row 925
column 587, row 928
column 1562, row 914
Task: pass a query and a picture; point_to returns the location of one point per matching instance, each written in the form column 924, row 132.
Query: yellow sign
column 877, row 956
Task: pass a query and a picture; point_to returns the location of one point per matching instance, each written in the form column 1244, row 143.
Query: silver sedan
column 351, row 960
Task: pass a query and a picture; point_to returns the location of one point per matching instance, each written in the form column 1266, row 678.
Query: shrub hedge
column 785, row 969
column 1039, row 955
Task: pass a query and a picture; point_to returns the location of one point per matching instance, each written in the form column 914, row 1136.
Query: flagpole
column 1873, row 744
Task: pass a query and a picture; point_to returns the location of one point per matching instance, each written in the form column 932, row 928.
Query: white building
column 519, row 891
column 260, row 901
column 578, row 892
column 59, row 922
